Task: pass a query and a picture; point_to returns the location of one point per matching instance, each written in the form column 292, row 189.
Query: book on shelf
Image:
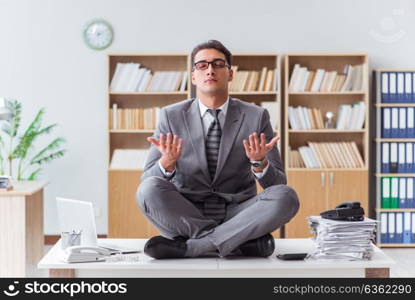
column 397, row 227
column 326, row 155
column 273, row 110
column 130, row 159
column 130, row 77
column 133, row 118
column 349, row 117
column 397, row 157
column 250, row 81
column 321, row 80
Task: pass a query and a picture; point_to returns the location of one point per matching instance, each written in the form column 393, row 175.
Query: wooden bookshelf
column 324, row 188
column 125, row 219
column 378, row 105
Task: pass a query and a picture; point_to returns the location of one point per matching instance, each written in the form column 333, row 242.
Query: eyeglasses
column 217, row 63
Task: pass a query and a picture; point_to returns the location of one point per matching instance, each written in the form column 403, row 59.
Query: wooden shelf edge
column 396, row 245
column 125, row 170
column 395, row 209
column 327, row 169
column 395, row 175
column 146, row 93
column 327, row 131
column 328, row 93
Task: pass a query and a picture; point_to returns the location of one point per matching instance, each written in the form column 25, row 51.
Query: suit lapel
column 233, row 122
column 195, row 130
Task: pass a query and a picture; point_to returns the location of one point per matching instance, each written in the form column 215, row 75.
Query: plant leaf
column 33, row 175
column 52, row 146
column 49, row 157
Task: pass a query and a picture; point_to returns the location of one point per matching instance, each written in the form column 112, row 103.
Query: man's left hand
column 257, row 149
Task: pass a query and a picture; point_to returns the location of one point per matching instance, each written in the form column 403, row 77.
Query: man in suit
column 198, row 187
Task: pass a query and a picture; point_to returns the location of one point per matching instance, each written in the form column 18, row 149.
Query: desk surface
column 24, row 188
column 379, row 260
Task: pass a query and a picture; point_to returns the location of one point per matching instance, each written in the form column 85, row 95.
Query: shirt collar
column 203, row 108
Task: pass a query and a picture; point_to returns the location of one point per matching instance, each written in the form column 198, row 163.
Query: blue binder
column 408, row 87
column 384, row 235
column 401, row 158
column 410, row 122
column 386, row 122
column 391, row 228
column 394, row 122
column 407, row 228
column 393, row 165
column 413, row 227
column 393, row 96
column 385, row 158
column 402, row 192
column 409, row 192
column 385, row 87
column 402, row 123
column 409, row 161
column 399, row 227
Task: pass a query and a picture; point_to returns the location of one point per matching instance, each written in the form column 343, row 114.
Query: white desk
column 219, row 267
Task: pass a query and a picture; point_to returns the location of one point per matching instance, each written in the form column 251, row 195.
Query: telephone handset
column 76, row 254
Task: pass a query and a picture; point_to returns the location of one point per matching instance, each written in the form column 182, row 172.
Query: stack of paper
column 342, row 240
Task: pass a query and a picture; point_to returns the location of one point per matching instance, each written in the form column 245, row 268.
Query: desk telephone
column 76, row 254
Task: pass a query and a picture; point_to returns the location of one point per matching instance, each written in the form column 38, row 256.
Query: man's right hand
column 170, row 148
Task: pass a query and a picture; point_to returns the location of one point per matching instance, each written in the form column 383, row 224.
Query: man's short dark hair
column 213, row 44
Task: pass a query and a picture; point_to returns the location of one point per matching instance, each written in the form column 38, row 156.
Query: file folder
column 385, row 158
column 409, row 164
column 393, row 166
column 384, row 228
column 392, row 88
column 407, row 228
column 408, row 87
column 402, row 122
column 410, row 128
column 391, row 228
column 412, row 227
column 409, row 192
column 394, row 192
column 395, row 122
column 399, row 228
column 386, row 124
column 386, row 192
column 385, row 87
column 401, row 158
column 400, row 80
column 402, row 192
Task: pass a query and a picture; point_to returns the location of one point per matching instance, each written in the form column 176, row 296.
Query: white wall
column 44, row 62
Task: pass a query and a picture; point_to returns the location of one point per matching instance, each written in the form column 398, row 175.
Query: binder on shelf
column 394, row 192
column 386, row 123
column 409, row 161
column 385, row 158
column 402, row 192
column 394, row 122
column 413, row 227
column 385, row 87
column 408, row 87
column 393, row 165
column 402, row 123
column 399, row 228
column 385, row 203
column 384, row 235
column 392, row 88
column 410, row 122
column 407, row 228
column 409, row 192
column 391, row 228
column 400, row 91
column 401, row 158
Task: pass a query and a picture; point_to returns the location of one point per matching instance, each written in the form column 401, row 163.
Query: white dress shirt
column 207, row 119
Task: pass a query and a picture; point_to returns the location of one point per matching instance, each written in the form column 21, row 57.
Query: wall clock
column 98, row 34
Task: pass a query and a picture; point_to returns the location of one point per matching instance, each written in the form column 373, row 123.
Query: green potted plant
column 19, row 147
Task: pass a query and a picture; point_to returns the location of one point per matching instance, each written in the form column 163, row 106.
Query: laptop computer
column 76, row 215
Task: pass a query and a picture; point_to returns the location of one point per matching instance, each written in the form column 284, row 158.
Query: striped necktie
column 214, row 207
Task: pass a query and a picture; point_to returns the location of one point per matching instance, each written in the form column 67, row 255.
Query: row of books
column 398, row 122
column 264, row 80
column 349, row 117
column 129, row 77
column 398, row 157
column 131, row 159
column 133, row 118
column 397, row 192
column 396, row 87
column 397, row 227
column 326, row 155
column 303, row 80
